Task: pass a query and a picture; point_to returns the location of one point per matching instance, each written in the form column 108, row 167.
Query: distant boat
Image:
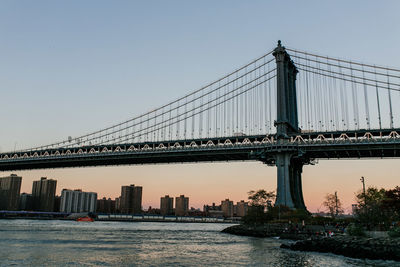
column 85, row 219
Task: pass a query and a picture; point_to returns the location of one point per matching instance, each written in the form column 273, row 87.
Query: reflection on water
column 55, row 243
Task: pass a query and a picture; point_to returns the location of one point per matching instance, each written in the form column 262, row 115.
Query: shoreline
column 382, row 248
column 283, row 231
column 350, row 246
column 117, row 220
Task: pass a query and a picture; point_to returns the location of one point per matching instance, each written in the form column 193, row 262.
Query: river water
column 60, row 243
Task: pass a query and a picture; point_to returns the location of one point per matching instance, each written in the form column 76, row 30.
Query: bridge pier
column 289, row 190
column 289, row 165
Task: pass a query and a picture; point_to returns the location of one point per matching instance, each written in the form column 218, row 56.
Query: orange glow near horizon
column 205, row 183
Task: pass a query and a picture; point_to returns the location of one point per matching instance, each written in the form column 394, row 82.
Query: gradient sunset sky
column 69, row 68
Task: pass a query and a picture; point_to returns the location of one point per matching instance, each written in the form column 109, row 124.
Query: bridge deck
column 323, row 145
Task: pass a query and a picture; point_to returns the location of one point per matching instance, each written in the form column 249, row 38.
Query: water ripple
column 68, row 243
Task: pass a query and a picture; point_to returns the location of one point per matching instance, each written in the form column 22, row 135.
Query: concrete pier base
column 289, row 191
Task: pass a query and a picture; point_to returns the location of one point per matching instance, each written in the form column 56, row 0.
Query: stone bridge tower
column 288, row 162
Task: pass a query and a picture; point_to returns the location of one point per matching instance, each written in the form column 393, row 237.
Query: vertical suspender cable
column 345, row 103
column 325, row 95
column 265, row 100
column 193, row 116
column 177, row 121
column 319, row 100
column 225, row 125
column 390, row 101
column 270, row 102
column 185, row 120
column 316, row 102
column 337, row 119
column 237, row 107
column 208, row 118
column 308, row 97
column 201, row 118
column 331, row 100
column 245, row 104
column 377, row 100
column 354, row 98
column 366, row 99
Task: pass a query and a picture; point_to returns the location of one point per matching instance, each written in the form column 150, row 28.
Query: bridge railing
column 308, row 139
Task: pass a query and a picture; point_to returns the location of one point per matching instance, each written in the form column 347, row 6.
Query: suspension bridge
column 286, row 108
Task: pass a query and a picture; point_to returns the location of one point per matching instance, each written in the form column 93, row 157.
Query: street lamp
column 365, row 196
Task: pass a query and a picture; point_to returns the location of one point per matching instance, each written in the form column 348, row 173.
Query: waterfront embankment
column 350, row 246
column 281, row 230
column 313, row 238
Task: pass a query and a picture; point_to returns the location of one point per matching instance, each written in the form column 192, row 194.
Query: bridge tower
column 289, row 164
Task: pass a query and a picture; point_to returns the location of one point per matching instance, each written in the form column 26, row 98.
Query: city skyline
column 43, row 197
column 73, row 62
column 217, row 190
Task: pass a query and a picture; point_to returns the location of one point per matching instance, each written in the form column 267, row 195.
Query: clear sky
column 71, row 67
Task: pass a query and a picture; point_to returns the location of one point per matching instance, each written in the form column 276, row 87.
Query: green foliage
column 394, row 232
column 355, row 230
column 260, row 197
column 372, row 197
column 256, row 216
column 259, row 201
column 391, row 203
column 378, row 207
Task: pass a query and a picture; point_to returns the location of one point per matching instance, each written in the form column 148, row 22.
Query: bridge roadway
column 306, row 146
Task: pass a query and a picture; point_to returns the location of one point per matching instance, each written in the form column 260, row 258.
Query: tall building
column 213, row 211
column 10, row 188
column 181, row 205
column 207, row 208
column 105, row 205
column 131, row 199
column 167, row 205
column 118, row 205
column 78, row 201
column 43, row 194
column 242, row 208
column 57, row 203
column 227, row 208
column 25, row 201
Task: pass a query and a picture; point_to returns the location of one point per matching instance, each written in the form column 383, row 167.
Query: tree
column 378, row 207
column 261, row 197
column 333, row 205
column 373, row 196
column 369, row 209
column 259, row 200
column 391, row 203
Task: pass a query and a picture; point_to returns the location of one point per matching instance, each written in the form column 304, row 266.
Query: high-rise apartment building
column 227, row 208
column 10, row 188
column 181, row 205
column 118, row 204
column 242, row 208
column 207, row 208
column 78, row 201
column 43, row 194
column 25, row 201
column 57, row 203
column 105, row 205
column 166, row 205
column 131, row 199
